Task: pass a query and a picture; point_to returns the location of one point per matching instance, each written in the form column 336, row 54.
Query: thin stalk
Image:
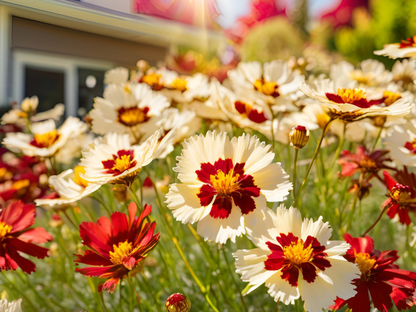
column 272, row 130
column 141, row 190
column 135, row 199
column 146, row 282
column 18, row 290
column 295, row 163
column 102, row 203
column 135, row 293
column 377, row 139
column 378, row 219
column 339, row 148
column 234, row 281
column 103, row 302
column 70, row 220
column 354, row 202
column 313, row 159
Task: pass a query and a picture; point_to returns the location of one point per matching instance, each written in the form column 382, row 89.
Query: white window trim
column 66, row 64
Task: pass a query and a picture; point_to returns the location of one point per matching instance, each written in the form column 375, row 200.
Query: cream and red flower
column 296, row 259
column 16, row 237
column 225, row 184
column 402, row 144
column 112, row 159
column 265, row 82
column 381, row 280
column 126, row 108
column 402, row 195
column 406, row 48
column 118, row 75
column 117, row 245
column 352, row 104
column 68, row 187
column 46, row 140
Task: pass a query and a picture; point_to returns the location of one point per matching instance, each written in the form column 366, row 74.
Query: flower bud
column 178, row 303
column 299, row 137
column 29, row 105
column 120, row 192
column 142, row 65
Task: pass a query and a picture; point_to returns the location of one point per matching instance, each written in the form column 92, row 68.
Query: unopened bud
column 120, row 192
column 29, row 105
column 178, row 303
column 142, row 65
column 299, row 137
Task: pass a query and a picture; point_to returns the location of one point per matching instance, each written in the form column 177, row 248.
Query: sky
column 232, row 9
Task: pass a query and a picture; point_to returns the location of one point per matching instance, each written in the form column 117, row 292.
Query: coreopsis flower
column 406, row 48
column 126, row 109
column 402, row 144
column 16, row 237
column 116, row 246
column 363, row 161
column 68, row 187
column 112, row 159
column 267, row 82
column 178, row 303
column 13, row 306
column 46, row 140
column 371, row 73
column 225, row 184
column 402, row 195
column 381, row 280
column 352, row 104
column 404, row 74
column 299, row 137
column 118, row 75
column 295, row 258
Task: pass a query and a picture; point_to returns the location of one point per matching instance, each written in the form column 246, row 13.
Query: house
column 60, row 49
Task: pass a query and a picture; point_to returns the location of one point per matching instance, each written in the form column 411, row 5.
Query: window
column 91, row 84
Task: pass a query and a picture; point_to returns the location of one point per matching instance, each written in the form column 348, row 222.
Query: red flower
column 16, row 237
column 228, row 183
column 117, row 245
column 379, row 277
column 362, row 161
column 402, row 195
column 297, row 255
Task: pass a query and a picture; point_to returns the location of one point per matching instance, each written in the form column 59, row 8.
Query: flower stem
column 377, row 139
column 312, row 160
column 146, row 282
column 134, row 290
column 339, row 148
column 103, row 302
column 354, row 202
column 378, row 219
column 295, row 163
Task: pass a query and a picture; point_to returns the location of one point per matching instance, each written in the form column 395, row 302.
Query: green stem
column 135, row 199
column 313, row 159
column 377, row 139
column 354, row 202
column 18, row 290
column 135, row 293
column 339, row 148
column 295, row 162
column 102, row 203
column 103, row 302
column 146, row 282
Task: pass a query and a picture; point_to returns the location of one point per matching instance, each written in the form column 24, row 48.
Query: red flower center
column 132, row 116
column 352, row 96
column 120, row 162
column 408, row 43
column 227, row 183
column 45, row 139
column 294, row 255
column 411, row 146
column 401, row 194
column 247, row 111
column 267, row 87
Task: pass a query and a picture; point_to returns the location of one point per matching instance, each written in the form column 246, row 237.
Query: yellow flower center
column 322, row 120
column 46, row 139
column 390, row 97
column 131, row 116
column 4, row 229
column 20, row 184
column 179, row 84
column 368, row 164
column 266, row 87
column 401, row 194
column 77, row 178
column 297, row 253
column 359, row 76
column 3, row 172
column 351, row 95
column 122, row 250
column 225, row 184
column 151, row 79
column 364, row 263
column 122, row 163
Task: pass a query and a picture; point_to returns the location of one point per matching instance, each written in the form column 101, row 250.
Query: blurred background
column 59, row 50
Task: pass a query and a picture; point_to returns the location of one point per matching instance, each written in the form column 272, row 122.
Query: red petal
column 257, row 117
column 132, row 213
column 390, row 183
column 109, row 285
column 119, row 227
column 359, row 244
column 18, row 215
column 221, row 208
column 380, row 294
column 206, row 194
column 244, row 202
column 37, row 235
column 290, row 273
column 95, row 237
column 129, row 262
column 29, row 248
column 285, row 240
column 361, row 301
column 339, row 303
column 308, row 272
column 334, row 97
column 92, row 258
column 240, row 107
